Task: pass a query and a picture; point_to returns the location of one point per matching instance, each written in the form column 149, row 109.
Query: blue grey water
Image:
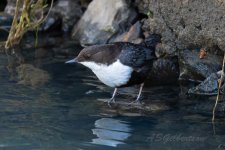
column 65, row 114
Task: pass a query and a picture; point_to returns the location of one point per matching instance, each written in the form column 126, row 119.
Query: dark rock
column 151, row 41
column 3, row 5
column 104, row 20
column 5, row 24
column 164, row 71
column 195, row 69
column 52, row 23
column 5, row 20
column 208, row 87
column 85, row 3
column 69, row 11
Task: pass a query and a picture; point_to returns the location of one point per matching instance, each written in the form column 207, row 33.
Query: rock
column 3, row 5
column 104, row 20
column 52, row 23
column 195, row 69
column 134, row 35
column 85, row 3
column 163, row 50
column 209, row 86
column 152, row 40
column 5, row 24
column 185, row 24
column 5, row 20
column 66, row 11
column 10, row 7
column 164, row 71
column 29, row 75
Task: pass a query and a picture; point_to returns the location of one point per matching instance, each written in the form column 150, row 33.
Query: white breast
column 113, row 75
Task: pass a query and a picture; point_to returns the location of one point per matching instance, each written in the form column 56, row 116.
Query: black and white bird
column 119, row 64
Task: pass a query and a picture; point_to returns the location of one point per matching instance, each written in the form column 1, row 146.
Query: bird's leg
column 113, row 97
column 137, row 101
column 139, row 94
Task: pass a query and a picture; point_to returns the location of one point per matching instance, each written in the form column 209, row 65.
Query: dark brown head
column 104, row 54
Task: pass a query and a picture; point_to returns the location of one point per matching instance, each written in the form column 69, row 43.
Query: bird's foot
column 136, row 102
column 111, row 100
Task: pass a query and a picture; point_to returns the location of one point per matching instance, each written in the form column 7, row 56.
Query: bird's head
column 86, row 55
column 101, row 54
column 89, row 55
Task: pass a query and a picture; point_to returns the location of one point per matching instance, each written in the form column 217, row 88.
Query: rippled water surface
column 66, row 114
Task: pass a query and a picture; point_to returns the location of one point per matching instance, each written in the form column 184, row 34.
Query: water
column 66, row 114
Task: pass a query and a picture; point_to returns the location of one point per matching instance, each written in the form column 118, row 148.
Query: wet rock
column 30, row 75
column 134, row 35
column 209, row 86
column 5, row 20
column 126, row 108
column 104, row 20
column 154, row 99
column 66, row 11
column 185, row 24
column 164, row 71
column 195, row 69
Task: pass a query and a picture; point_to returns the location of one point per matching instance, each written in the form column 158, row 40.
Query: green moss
column 150, row 14
column 109, row 29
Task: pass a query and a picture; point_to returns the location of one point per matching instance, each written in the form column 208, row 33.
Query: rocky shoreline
column 185, row 28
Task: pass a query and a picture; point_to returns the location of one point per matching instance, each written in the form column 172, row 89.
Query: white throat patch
column 113, row 75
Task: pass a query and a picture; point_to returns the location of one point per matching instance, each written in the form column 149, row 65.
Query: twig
column 218, row 92
column 28, row 20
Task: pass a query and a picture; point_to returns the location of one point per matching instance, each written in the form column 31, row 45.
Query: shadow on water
column 67, row 113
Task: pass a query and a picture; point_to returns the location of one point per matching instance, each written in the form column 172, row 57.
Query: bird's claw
column 110, row 101
column 136, row 102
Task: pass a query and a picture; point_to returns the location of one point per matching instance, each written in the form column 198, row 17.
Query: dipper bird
column 119, row 64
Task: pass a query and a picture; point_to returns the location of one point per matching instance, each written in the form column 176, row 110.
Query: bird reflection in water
column 111, row 132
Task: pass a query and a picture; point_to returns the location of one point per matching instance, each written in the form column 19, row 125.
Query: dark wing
column 136, row 56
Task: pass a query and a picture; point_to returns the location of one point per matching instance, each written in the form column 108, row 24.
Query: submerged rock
column 102, row 20
column 195, row 69
column 30, row 75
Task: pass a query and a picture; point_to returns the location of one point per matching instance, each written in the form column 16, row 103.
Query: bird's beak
column 71, row 61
